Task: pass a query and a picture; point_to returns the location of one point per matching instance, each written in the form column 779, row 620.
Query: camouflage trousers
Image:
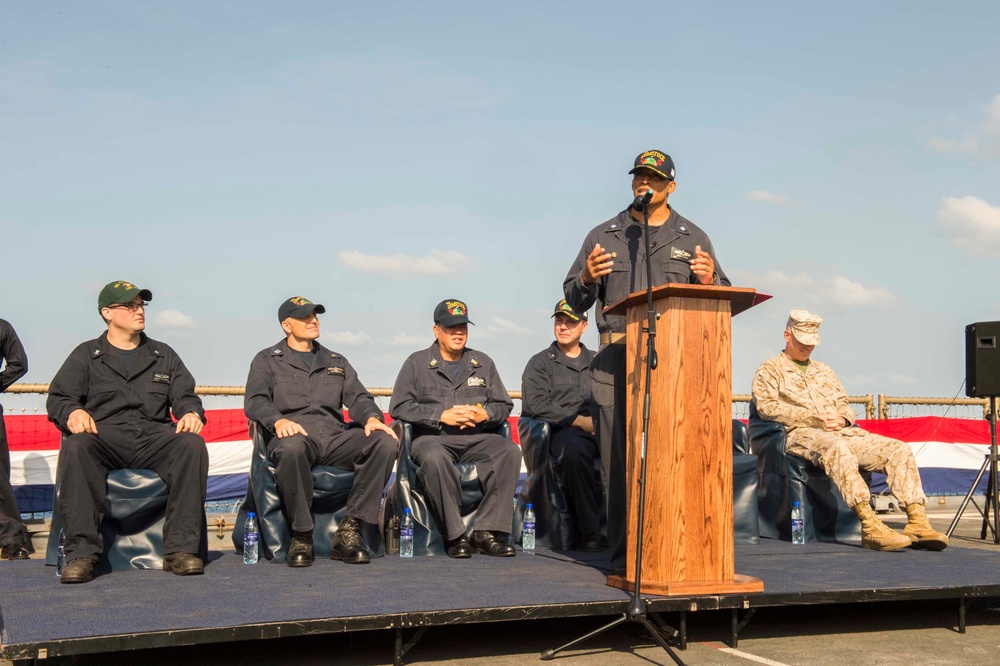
column 841, row 453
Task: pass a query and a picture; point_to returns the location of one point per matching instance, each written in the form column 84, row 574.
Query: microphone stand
column 637, row 612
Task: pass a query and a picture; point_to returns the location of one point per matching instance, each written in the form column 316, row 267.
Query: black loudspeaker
column 982, row 359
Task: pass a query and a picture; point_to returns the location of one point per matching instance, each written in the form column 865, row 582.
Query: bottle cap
column 406, row 510
column 251, row 514
column 796, row 504
column 529, row 506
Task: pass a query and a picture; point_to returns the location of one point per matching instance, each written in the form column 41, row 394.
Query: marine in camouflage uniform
column 807, row 397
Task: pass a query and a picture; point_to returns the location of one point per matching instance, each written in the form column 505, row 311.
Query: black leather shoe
column 459, row 548
column 300, row 553
column 346, row 543
column 80, row 570
column 14, row 551
column 486, row 542
column 590, row 543
column 183, row 564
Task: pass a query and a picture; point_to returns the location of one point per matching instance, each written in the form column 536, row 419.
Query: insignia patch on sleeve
column 477, row 381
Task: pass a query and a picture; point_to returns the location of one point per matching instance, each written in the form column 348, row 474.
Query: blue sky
column 381, row 158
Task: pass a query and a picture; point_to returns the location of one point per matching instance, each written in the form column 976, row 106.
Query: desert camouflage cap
column 804, row 325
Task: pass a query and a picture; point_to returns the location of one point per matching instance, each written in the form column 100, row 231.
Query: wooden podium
column 688, row 533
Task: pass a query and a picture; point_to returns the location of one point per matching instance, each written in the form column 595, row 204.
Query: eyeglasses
column 131, row 307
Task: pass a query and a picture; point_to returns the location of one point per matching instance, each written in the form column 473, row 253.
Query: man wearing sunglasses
column 113, row 398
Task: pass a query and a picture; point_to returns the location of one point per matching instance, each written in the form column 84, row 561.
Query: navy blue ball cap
column 656, row 161
column 451, row 312
column 298, row 307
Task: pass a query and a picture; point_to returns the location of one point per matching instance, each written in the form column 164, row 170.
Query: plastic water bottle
column 250, row 537
column 798, row 525
column 406, row 534
column 61, row 553
column 528, row 529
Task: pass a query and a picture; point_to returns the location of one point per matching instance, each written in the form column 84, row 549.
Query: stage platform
column 235, row 602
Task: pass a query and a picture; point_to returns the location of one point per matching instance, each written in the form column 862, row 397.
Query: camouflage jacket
column 783, row 393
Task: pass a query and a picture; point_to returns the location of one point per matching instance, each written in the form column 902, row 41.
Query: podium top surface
column 740, row 298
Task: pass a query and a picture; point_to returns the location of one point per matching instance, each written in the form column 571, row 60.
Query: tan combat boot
column 920, row 531
column 875, row 535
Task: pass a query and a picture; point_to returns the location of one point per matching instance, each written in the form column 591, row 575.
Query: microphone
column 643, row 200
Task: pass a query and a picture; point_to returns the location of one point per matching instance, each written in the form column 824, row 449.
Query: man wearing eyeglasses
column 113, row 398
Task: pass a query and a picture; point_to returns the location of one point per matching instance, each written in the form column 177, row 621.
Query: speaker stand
column 992, row 498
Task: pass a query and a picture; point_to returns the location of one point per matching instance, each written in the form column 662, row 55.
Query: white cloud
column 896, row 378
column 435, row 263
column 972, row 143
column 772, row 279
column 973, row 224
column 497, row 326
column 173, row 319
column 346, row 338
column 764, row 196
column 968, row 145
column 993, row 117
column 408, row 340
column 847, row 292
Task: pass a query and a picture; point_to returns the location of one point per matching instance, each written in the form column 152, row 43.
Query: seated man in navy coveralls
column 297, row 390
column 12, row 530
column 555, row 387
column 113, row 397
column 451, row 395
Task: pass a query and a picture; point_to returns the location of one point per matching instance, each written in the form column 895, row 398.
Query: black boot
column 346, row 544
column 300, row 553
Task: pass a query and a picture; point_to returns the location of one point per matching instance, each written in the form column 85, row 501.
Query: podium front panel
column 688, row 530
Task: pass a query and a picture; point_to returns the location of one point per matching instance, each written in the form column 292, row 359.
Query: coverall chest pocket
column 618, row 282
column 290, row 394
column 331, row 386
column 156, row 400
column 676, row 270
column 474, row 392
column 100, row 394
column 564, row 379
column 435, row 395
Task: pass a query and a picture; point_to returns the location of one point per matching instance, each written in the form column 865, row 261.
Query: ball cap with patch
column 656, row 161
column 804, row 326
column 564, row 308
column 121, row 291
column 298, row 307
column 451, row 312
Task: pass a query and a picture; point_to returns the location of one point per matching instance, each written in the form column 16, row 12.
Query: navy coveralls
column 556, row 388
column 281, row 386
column 15, row 362
column 422, row 392
column 672, row 247
column 134, row 431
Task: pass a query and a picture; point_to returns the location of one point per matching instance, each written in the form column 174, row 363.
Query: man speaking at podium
column 610, row 266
